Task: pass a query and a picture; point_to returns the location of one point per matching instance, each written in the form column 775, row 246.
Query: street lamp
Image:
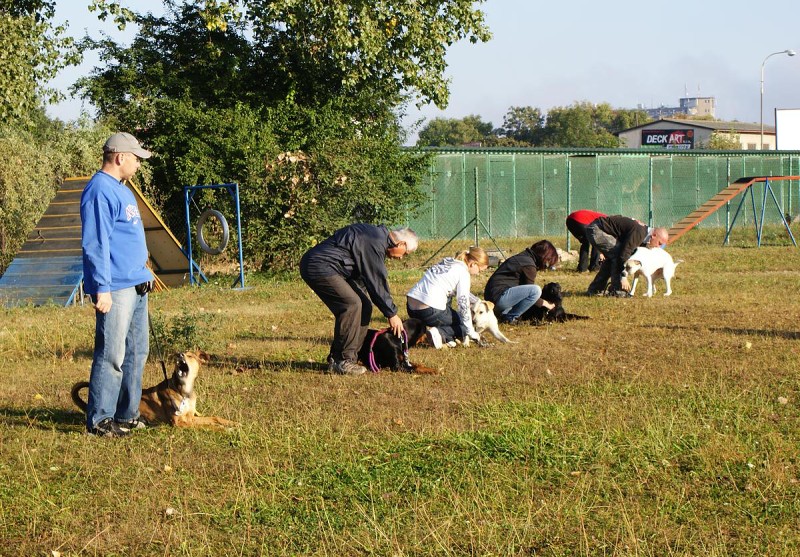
column 788, row 53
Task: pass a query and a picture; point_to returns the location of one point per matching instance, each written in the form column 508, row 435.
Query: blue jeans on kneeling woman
column 446, row 320
column 517, row 300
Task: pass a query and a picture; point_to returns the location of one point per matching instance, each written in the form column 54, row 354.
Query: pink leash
column 373, row 365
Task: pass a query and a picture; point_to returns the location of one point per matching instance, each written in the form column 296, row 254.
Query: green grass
column 667, row 426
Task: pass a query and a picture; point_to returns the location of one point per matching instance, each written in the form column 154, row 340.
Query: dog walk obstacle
column 741, row 186
column 49, row 266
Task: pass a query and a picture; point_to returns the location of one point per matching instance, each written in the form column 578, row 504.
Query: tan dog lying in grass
column 173, row 400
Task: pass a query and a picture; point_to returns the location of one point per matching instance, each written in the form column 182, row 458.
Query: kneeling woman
column 430, row 299
column 511, row 287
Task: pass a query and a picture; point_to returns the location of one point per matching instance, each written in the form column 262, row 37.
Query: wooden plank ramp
column 721, row 198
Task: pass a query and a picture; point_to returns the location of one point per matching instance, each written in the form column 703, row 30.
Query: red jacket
column 585, row 216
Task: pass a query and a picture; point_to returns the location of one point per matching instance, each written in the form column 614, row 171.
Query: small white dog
column 651, row 263
column 483, row 319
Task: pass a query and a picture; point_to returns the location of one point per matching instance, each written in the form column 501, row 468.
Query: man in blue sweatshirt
column 116, row 276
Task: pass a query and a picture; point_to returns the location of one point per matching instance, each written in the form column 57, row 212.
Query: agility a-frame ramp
column 48, row 268
column 745, row 187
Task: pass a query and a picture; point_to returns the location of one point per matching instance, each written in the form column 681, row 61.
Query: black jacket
column 629, row 232
column 355, row 252
column 514, row 271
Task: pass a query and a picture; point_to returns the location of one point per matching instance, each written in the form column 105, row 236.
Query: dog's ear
column 203, row 356
column 489, row 305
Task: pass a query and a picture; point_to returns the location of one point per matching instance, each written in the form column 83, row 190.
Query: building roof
column 709, row 125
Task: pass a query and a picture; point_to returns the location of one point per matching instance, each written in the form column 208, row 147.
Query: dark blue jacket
column 355, row 252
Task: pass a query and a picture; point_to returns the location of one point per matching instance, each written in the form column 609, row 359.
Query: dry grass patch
column 666, row 426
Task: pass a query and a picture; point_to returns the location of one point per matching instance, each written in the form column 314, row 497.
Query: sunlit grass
column 664, row 426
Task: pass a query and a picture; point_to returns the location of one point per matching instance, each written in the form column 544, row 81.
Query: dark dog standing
column 388, row 351
column 552, row 293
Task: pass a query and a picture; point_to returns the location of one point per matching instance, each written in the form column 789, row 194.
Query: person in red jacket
column 576, row 224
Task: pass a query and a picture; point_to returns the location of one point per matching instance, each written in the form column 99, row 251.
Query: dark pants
column 585, row 262
column 350, row 304
column 446, row 320
column 610, row 247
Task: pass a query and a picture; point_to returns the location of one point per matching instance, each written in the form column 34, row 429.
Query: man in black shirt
column 617, row 237
column 348, row 273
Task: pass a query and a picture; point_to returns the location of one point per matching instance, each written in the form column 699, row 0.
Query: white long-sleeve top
column 441, row 283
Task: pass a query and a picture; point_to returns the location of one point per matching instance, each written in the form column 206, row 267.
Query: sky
column 622, row 52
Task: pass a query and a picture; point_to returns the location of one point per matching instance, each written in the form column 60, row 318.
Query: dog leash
column 158, row 345
column 373, row 365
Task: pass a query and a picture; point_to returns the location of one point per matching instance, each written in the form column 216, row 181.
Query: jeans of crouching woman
column 517, row 300
column 446, row 320
column 121, row 346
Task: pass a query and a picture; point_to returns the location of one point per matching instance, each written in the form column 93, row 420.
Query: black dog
column 552, row 293
column 388, row 351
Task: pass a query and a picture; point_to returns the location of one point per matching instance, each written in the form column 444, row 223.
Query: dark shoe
column 108, row 428
column 591, row 292
column 346, row 367
column 509, row 320
column 619, row 294
column 130, row 425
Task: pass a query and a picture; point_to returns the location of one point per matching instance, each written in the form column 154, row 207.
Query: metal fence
column 529, row 192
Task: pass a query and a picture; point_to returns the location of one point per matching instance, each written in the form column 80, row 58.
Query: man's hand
column 397, row 325
column 625, row 285
column 103, row 303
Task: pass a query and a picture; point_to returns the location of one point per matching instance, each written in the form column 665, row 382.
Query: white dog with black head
column 651, row 263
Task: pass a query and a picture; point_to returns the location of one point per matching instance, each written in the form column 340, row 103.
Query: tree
column 219, row 89
column 724, row 141
column 524, row 124
column 32, row 51
column 453, row 132
column 587, row 125
column 318, row 49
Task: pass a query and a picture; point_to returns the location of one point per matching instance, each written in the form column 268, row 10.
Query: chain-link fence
column 530, row 192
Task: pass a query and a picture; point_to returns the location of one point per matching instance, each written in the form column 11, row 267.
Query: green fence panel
column 529, row 192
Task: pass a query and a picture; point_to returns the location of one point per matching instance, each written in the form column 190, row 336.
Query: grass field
column 664, row 426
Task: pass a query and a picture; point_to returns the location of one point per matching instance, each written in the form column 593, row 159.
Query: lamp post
column 788, row 53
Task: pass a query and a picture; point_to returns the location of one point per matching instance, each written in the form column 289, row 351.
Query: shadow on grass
column 788, row 335
column 241, row 365
column 43, row 418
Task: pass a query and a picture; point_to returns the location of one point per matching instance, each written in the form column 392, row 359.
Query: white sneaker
column 434, row 337
column 451, row 344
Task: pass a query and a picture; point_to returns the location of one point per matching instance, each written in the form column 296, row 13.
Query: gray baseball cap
column 122, row 142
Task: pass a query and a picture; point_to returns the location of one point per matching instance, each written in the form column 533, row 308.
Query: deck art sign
column 668, row 139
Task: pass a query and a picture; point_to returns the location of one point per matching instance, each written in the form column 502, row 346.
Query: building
column 689, row 106
column 668, row 133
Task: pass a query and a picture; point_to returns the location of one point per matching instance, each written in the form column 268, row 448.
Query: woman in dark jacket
column 511, row 287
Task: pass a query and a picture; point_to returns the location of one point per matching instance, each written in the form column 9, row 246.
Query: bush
column 32, row 165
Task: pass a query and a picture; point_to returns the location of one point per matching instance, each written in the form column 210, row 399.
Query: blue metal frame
column 188, row 194
column 759, row 222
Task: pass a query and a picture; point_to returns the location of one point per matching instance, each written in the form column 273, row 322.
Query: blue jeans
column 121, row 345
column 517, row 300
column 446, row 320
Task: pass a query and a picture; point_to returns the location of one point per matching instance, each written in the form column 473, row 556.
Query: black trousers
column 585, row 262
column 350, row 304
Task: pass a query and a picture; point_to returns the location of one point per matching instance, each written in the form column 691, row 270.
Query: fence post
column 569, row 195
column 650, row 193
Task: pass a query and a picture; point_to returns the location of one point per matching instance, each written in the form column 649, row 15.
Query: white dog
column 483, row 319
column 651, row 263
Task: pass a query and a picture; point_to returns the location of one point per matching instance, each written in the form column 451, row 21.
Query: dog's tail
column 75, row 393
column 678, row 261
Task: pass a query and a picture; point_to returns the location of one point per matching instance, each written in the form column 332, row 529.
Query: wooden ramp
column 724, row 196
column 49, row 266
